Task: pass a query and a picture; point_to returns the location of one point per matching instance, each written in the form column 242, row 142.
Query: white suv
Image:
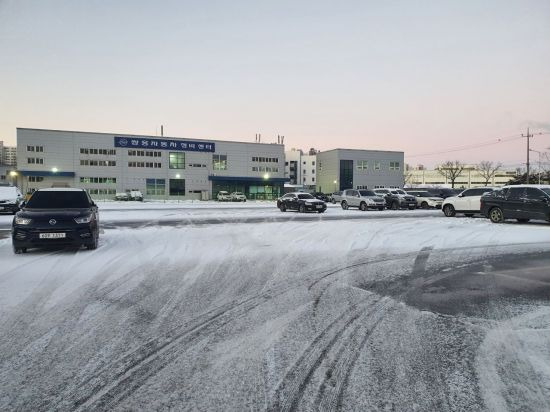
column 467, row 202
column 238, row 197
column 224, row 196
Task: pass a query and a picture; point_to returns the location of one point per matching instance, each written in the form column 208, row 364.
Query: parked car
column 302, row 202
column 442, row 192
column 56, row 217
column 522, row 202
column 122, row 196
column 467, row 202
column 362, row 199
column 135, row 195
column 426, row 200
column 10, row 199
column 397, row 199
column 321, row 196
column 336, row 197
column 224, row 196
column 238, row 197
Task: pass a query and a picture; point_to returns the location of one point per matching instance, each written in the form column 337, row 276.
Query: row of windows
column 86, row 162
column 35, row 149
column 107, row 152
column 157, row 187
column 101, row 191
column 265, row 159
column 312, row 171
column 145, row 164
column 35, row 160
column 36, row 178
column 148, row 153
column 105, row 180
column 265, row 169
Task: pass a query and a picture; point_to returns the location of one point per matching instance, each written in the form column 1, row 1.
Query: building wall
column 365, row 174
column 62, row 152
column 470, row 177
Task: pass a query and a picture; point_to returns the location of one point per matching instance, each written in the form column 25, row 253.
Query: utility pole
column 528, row 150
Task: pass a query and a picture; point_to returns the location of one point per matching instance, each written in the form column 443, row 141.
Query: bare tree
column 451, row 170
column 488, row 170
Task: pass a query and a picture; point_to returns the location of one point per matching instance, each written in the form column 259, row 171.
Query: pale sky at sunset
column 417, row 76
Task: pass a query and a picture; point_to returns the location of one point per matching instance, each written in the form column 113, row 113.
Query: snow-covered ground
column 395, row 311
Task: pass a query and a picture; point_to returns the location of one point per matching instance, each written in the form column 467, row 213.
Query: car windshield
column 422, row 194
column 401, row 192
column 58, row 200
column 238, row 193
column 305, row 196
column 367, row 193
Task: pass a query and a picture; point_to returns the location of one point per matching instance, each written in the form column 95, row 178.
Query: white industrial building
column 301, row 168
column 160, row 167
column 341, row 169
column 8, row 155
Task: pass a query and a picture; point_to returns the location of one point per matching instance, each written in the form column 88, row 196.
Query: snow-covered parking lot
column 242, row 307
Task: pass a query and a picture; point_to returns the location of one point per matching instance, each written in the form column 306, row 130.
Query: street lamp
column 55, row 169
column 335, row 182
column 266, row 176
column 178, row 176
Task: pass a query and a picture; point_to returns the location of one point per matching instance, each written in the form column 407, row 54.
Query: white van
column 10, row 198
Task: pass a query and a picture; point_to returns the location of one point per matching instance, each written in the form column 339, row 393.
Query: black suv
column 397, row 199
column 302, row 202
column 56, row 217
column 522, row 203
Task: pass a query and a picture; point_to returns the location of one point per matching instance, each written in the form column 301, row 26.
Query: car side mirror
column 22, row 204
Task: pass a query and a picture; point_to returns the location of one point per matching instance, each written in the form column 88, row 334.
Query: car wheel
column 282, row 207
column 469, row 214
column 381, row 208
column 523, row 220
column 363, row 206
column 19, row 250
column 320, row 211
column 394, row 206
column 425, row 205
column 496, row 216
column 302, row 209
column 93, row 246
column 345, row 205
column 449, row 210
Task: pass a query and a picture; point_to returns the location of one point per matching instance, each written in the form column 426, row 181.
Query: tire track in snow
column 291, row 389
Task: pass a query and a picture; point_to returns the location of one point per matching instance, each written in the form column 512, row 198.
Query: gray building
column 341, row 169
column 160, row 167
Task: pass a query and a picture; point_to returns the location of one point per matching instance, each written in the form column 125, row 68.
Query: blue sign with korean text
column 164, row 144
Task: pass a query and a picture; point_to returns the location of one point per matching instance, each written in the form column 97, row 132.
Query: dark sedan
column 302, row 202
column 56, row 217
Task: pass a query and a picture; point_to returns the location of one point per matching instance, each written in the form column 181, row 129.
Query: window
column 313, row 171
column 177, row 160
column 362, row 164
column 376, row 165
column 177, row 187
column 36, row 178
column 155, row 187
column 219, row 162
column 35, row 160
column 534, row 194
column 363, row 187
column 515, row 193
column 101, row 180
column 313, row 163
column 313, row 179
column 30, row 148
column 394, row 166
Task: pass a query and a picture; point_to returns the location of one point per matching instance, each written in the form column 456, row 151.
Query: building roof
column 146, row 136
column 362, row 150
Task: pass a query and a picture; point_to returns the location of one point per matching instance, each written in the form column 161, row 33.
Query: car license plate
column 52, row 235
column 319, row 206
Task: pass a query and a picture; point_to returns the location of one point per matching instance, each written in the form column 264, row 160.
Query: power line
column 471, row 146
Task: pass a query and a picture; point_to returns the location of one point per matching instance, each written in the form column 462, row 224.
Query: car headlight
column 84, row 219
column 22, row 220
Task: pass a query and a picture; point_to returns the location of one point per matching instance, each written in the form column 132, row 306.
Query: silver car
column 362, row 199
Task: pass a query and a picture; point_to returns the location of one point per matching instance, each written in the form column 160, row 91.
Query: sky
column 418, row 76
